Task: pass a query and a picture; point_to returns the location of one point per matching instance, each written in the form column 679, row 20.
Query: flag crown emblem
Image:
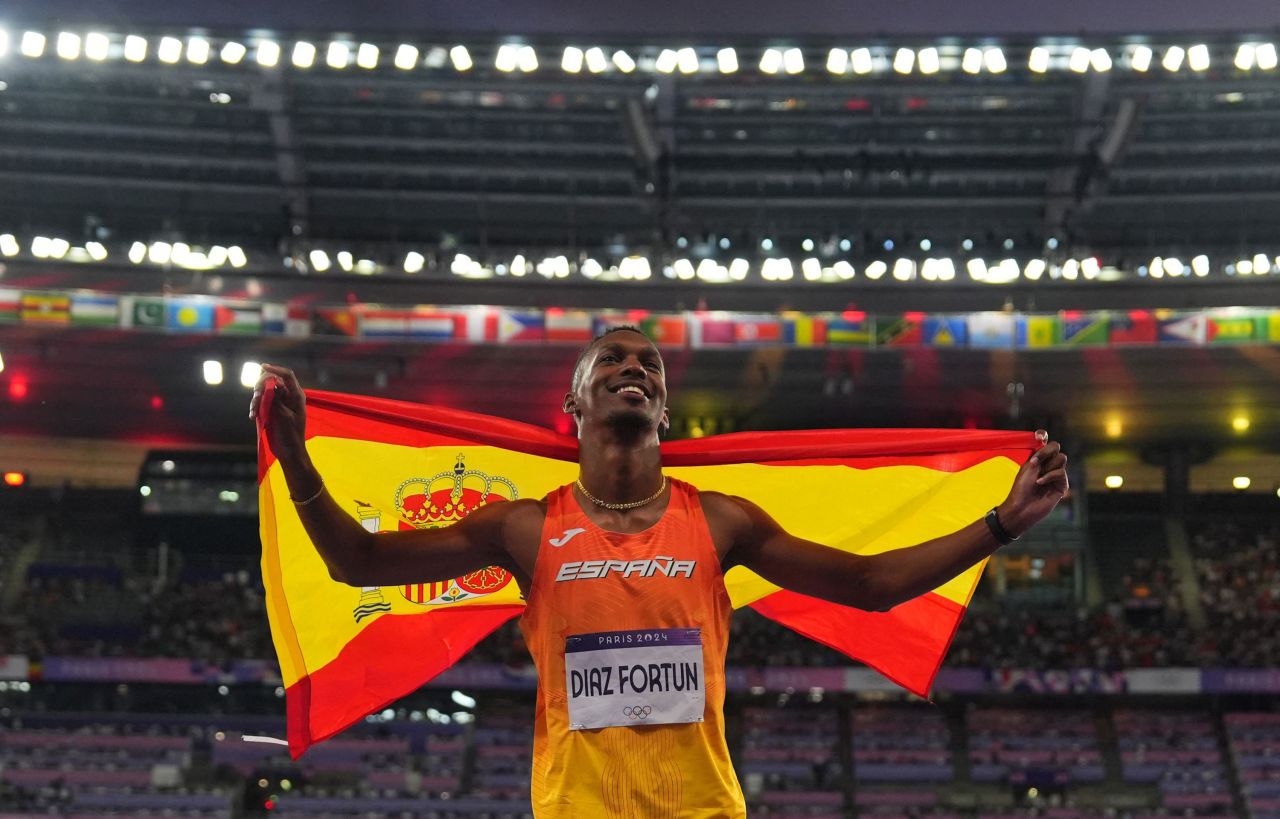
column 449, row 496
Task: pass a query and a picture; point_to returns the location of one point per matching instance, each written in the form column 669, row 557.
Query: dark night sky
column 716, row 20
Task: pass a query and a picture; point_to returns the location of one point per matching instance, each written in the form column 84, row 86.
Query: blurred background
column 972, row 215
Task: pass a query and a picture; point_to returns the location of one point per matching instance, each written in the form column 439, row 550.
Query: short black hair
column 582, row 356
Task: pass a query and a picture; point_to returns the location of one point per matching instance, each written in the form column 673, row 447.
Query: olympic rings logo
column 637, row 711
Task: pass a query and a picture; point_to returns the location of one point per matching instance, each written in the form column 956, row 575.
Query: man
column 657, row 624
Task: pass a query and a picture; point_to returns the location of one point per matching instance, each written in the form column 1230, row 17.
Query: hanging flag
column 711, row 330
column 945, row 331
column 517, row 326
column 804, row 331
column 900, row 331
column 334, row 321
column 275, row 319
column 1036, row 332
column 95, row 309
column 1134, row 327
column 1273, row 327
column 345, row 652
column 992, row 330
column 44, row 308
column 190, row 316
column 568, row 325
column 10, row 305
column 1082, row 331
column 238, row 317
column 851, row 329
column 413, row 324
column 749, row 330
column 1235, row 329
column 1185, row 329
column 298, row 320
column 142, row 311
column 666, row 331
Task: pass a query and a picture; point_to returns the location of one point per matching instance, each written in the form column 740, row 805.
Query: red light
column 1139, row 315
column 157, row 403
column 270, row 804
column 18, row 389
column 913, row 316
column 854, row 315
column 15, row 478
column 1072, row 315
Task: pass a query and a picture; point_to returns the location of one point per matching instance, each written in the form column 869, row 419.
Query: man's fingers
column 1056, row 476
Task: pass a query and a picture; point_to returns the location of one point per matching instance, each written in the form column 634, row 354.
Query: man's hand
column 287, row 426
column 1040, row 484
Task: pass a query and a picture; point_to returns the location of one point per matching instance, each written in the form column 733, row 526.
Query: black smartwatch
column 998, row 531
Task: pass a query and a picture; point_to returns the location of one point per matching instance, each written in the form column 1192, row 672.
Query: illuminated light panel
column 738, row 269
column 572, row 59
column 97, row 46
column 727, row 60
column 1241, row 483
column 876, row 269
column 367, row 55
column 337, row 55
column 687, row 60
column 319, row 260
column 844, row 270
column 597, row 63
column 977, row 269
column 67, row 46
column 626, row 63
column 1198, row 57
column 1034, row 269
column 406, row 58
column 811, row 268
column 232, row 53
column 1156, row 269
column 236, row 256
column 459, row 56
column 1115, row 428
column 527, row 59
column 995, row 61
column 304, row 54
column 96, row 250
column 1261, row 264
column 971, row 62
column 15, row 479
column 197, row 50
column 591, row 268
column 1266, row 56
column 837, row 61
column 1100, row 59
column 212, row 371
column 929, row 61
column 904, row 60
column 793, row 61
column 1038, row 61
column 860, row 61
column 904, row 269
column 1240, row 423
column 684, row 269
column 1089, row 268
column 9, row 244
column 170, row 50
column 1113, row 481
column 1200, row 265
column 1173, row 57
column 1140, row 58
column 1246, row 56
column 32, row 44
column 415, row 261
column 137, row 252
column 1, row 363
column 249, row 373
column 1079, row 59
column 268, row 53
column 771, row 61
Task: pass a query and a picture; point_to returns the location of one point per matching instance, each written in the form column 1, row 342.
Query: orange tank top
column 613, row 622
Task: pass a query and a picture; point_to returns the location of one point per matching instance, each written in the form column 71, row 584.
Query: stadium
column 825, row 216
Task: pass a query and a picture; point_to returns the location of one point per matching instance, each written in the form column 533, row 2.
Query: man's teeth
column 635, row 390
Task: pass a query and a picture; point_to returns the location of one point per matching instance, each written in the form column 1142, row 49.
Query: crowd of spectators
column 1238, row 574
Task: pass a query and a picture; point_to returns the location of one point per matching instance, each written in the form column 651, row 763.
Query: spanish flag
column 345, row 652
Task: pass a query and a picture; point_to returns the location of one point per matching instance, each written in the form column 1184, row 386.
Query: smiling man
column 626, row 615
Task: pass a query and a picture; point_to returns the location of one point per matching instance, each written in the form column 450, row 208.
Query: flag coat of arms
column 396, row 466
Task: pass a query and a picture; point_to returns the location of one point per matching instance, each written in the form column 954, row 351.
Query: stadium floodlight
column 1079, row 59
column 684, row 269
column 367, row 56
column 319, row 260
column 180, row 253
column 1034, row 269
column 197, row 50
column 861, row 62
column 1198, row 57
column 415, row 261
column 137, row 252
column 1266, row 56
column 67, row 45
column 738, row 269
column 784, row 271
column 1240, row 423
column 97, row 46
column 667, row 61
column 771, row 61
column 32, row 44
column 1071, row 270
column 232, row 52
column 170, row 50
column 811, row 268
column 709, row 271
column 1090, row 268
column 519, row 266
column 458, row 55
column 1200, row 265
column 793, row 61
column 406, row 58
column 337, row 55
column 1243, row 266
column 58, row 247
column 591, row 268
column 527, row 59
column 1140, row 58
column 267, row 53
column 508, row 58
column 928, row 60
column 572, row 59
column 1246, row 56
column 597, row 63
column 40, row 247
column 1261, row 264
column 159, row 252
column 1114, row 481
column 345, row 260
column 904, row 269
column 971, row 62
column 995, row 60
column 1156, row 269
column 217, row 256
column 9, row 244
column 837, row 61
column 687, row 60
column 1173, row 57
column 1100, row 59
column 236, row 256
column 929, row 270
column 904, row 60
column 876, row 269
column 96, row 250
column 1038, row 61
column 843, row 270
column 212, row 370
column 304, row 54
column 249, row 373
column 1241, row 482
column 624, row 62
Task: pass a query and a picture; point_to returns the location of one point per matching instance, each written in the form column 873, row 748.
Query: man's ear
column 664, row 425
column 570, row 405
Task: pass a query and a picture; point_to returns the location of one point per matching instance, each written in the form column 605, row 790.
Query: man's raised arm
column 353, row 554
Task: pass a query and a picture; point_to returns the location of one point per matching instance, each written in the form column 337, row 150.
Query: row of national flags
column 500, row 325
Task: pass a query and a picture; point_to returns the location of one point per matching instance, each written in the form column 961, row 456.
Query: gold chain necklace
column 621, row 507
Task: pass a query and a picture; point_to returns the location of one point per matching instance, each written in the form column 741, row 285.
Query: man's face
column 622, row 382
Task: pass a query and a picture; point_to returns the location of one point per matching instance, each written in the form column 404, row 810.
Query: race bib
column 640, row 677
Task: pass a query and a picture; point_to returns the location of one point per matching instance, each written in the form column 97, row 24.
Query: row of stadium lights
column 1240, row 483
column 518, row 58
column 639, row 268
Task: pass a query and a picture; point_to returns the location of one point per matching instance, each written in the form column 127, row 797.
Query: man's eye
column 607, row 358
column 652, row 366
